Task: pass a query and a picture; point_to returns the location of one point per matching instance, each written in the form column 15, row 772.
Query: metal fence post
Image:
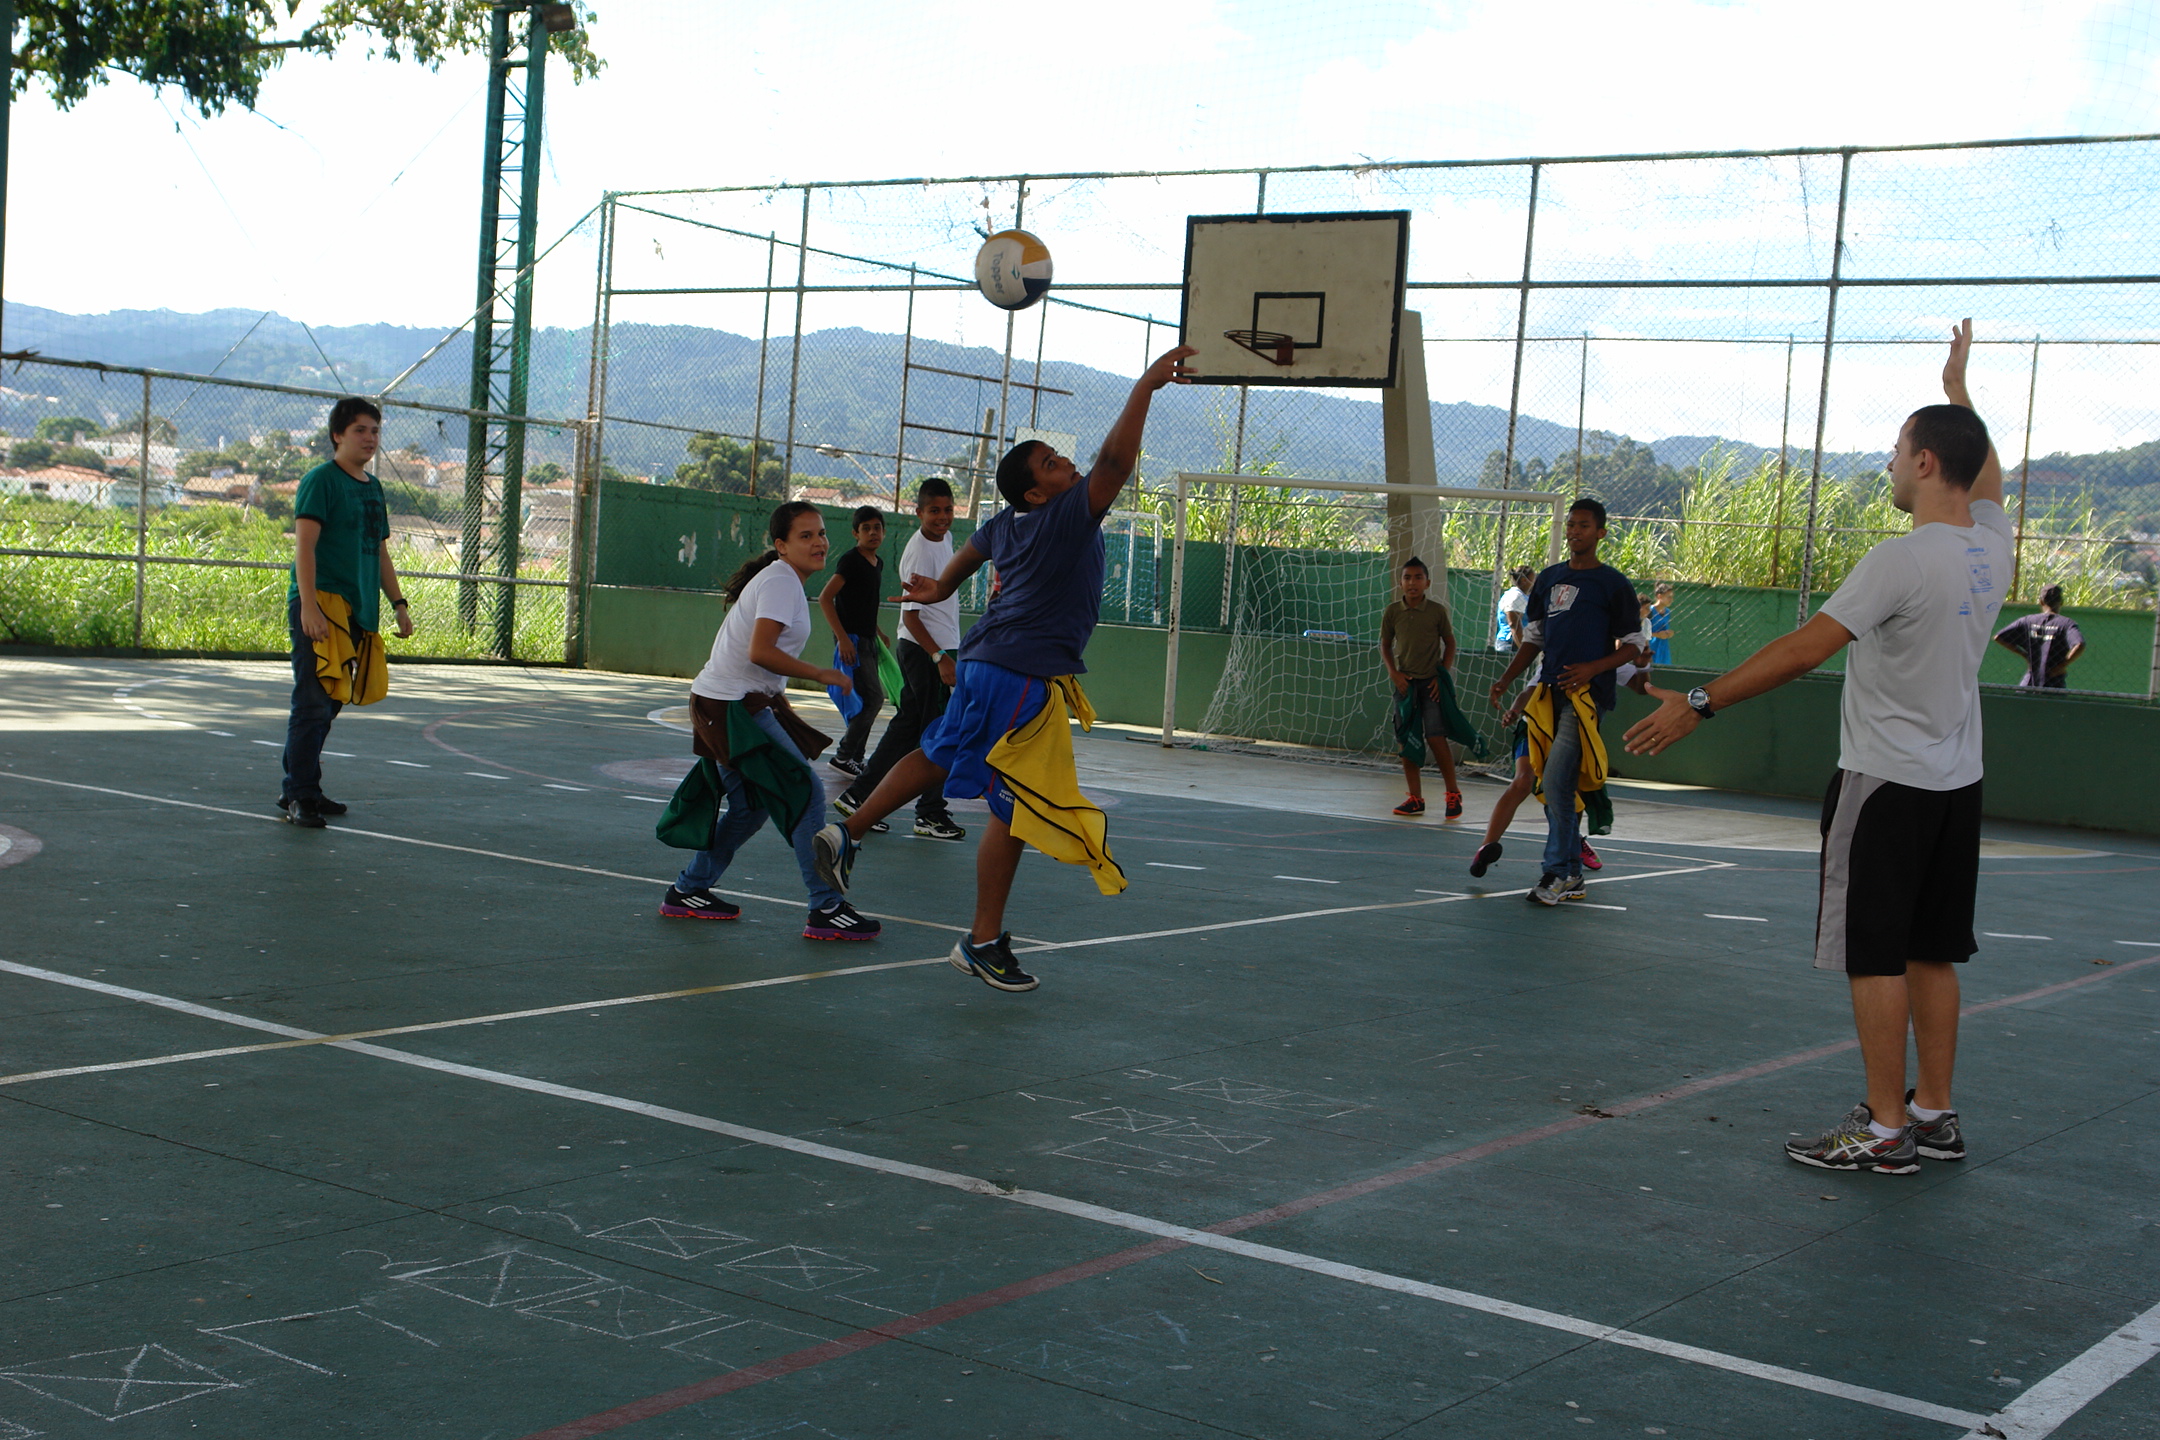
column 764, row 343
column 1582, row 405
column 1777, row 529
column 1822, row 397
column 142, row 510
column 907, row 371
column 2017, row 546
column 584, row 485
column 1514, row 402
column 802, row 264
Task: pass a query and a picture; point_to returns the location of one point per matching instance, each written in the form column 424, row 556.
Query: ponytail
column 776, row 530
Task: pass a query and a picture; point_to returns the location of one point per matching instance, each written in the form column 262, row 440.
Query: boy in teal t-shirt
column 339, row 526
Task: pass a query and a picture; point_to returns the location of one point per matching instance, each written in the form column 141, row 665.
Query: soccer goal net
column 1286, row 579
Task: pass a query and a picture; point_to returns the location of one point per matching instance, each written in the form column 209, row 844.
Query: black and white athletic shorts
column 1900, row 867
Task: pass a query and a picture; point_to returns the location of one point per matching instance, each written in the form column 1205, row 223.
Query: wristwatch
column 937, row 657
column 1699, row 699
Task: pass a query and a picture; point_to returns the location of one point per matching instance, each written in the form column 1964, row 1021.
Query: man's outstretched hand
column 1169, row 368
column 920, row 590
column 1674, row 720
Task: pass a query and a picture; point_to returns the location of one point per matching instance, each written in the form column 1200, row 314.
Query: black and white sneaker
column 848, row 807
column 992, row 963
column 846, row 767
column 307, row 814
column 842, row 922
column 1541, row 893
column 697, row 905
column 939, row 829
column 1486, row 857
column 833, row 855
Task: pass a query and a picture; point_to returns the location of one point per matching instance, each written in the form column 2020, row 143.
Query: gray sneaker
column 1850, row 1145
column 1940, row 1138
column 832, row 852
column 1551, row 889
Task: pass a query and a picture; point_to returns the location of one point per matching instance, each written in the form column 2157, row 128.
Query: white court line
column 2046, row 1405
column 1308, row 880
column 227, row 734
column 1026, row 947
column 575, row 789
column 1755, row 919
column 340, row 754
column 2141, row 944
column 1166, row 865
column 1591, row 905
column 273, row 744
column 1077, row 1209
column 412, row 764
column 1457, row 894
column 1999, row 935
column 648, row 799
column 486, row 775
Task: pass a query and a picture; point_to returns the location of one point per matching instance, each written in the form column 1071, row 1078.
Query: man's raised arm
column 1120, row 452
column 1988, row 485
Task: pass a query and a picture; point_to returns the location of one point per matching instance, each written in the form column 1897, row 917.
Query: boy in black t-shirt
column 1583, row 623
column 850, row 602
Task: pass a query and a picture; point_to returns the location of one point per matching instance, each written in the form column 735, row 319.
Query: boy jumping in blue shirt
column 1047, row 548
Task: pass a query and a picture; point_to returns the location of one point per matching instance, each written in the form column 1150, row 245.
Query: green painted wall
column 2051, row 759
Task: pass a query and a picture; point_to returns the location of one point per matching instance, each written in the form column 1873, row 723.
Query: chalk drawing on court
column 1127, row 1156
column 621, row 1311
column 1249, row 1092
column 9, row 1430
column 510, row 1278
column 678, row 1238
column 746, row 1342
column 1057, row 1358
column 111, row 1384
column 1209, row 1138
column 925, row 1289
column 1118, row 1117
column 799, row 1267
column 309, row 1332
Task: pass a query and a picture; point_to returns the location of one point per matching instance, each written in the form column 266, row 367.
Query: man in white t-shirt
column 928, row 635
column 1901, row 824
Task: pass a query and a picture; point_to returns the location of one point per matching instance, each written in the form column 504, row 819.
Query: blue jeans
column 1563, row 766
column 309, row 725
column 742, row 817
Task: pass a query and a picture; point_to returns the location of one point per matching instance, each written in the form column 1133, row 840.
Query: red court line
column 860, row 1340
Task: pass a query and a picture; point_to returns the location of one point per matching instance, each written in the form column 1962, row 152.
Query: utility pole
column 502, row 363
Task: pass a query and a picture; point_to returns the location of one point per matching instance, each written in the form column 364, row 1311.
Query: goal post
column 1304, row 568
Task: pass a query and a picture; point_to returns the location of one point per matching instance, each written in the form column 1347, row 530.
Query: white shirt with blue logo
column 1921, row 608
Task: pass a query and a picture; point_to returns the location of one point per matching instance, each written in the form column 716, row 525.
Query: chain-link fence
column 1720, row 347
column 159, row 515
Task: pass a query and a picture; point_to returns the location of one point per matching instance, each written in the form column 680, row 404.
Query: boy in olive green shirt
column 339, row 528
column 1417, row 645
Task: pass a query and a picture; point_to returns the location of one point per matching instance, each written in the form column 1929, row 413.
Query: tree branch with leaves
column 218, row 52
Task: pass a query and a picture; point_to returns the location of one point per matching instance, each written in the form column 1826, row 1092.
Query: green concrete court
column 428, row 1125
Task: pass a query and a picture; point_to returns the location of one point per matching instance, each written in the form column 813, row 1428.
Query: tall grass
column 91, row 604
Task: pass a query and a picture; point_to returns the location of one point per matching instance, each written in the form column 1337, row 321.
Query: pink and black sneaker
column 697, row 905
column 1589, row 858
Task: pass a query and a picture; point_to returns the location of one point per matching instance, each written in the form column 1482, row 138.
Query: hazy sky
column 351, row 195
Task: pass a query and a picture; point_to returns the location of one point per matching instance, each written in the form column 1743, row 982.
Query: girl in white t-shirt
column 759, row 646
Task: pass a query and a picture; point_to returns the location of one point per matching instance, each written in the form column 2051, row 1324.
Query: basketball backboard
column 1295, row 299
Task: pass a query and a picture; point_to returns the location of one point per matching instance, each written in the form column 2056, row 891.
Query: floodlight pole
column 502, row 366
column 7, row 101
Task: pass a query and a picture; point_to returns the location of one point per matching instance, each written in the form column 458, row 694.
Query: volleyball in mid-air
column 1013, row 269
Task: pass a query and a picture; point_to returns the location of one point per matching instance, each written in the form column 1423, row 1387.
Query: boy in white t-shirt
column 740, row 719
column 1901, row 824
column 928, row 636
